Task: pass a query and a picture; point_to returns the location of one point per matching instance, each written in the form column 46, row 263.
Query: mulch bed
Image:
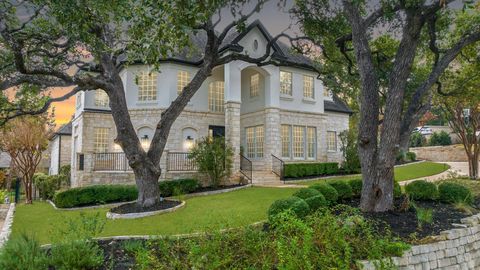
column 129, row 208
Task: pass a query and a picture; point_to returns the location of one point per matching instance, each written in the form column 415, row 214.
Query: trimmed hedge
column 102, row 194
column 316, row 202
column 343, row 188
column 422, row 190
column 450, row 192
column 356, row 185
column 329, row 192
column 298, row 170
column 298, row 206
column 306, row 193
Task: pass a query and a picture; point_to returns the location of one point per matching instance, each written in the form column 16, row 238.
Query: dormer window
column 147, row 86
column 308, row 87
column 255, row 45
column 101, row 98
column 286, row 83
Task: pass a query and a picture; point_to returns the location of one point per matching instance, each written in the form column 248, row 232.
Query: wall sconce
column 145, row 142
column 188, row 144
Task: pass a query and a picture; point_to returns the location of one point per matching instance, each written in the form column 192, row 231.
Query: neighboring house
column 60, row 148
column 283, row 111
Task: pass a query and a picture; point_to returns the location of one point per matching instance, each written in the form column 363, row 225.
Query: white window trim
column 148, row 101
column 306, row 98
column 291, row 84
column 305, row 143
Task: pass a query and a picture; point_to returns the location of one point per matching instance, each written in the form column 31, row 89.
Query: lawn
column 402, row 173
column 200, row 213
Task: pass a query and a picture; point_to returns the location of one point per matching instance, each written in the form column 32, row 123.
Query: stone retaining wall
column 450, row 153
column 458, row 248
column 7, row 225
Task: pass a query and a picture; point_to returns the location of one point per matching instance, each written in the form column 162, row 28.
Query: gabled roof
column 63, row 130
column 336, row 105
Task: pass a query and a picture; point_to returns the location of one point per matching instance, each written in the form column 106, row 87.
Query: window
column 254, row 140
column 326, row 93
column 298, row 141
column 331, row 141
column 183, row 78
column 101, row 98
column 254, row 85
column 308, row 88
column 286, row 140
column 311, row 145
column 101, row 140
column 147, row 86
column 286, row 83
column 216, row 97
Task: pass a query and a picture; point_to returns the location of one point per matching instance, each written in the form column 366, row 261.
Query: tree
column 393, row 53
column 91, row 36
column 25, row 139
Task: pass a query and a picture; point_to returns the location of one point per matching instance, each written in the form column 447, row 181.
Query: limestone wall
column 454, row 249
column 453, row 153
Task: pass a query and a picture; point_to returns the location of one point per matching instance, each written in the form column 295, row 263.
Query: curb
column 7, row 225
column 111, row 215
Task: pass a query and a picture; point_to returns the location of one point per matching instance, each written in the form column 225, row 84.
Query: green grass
column 199, row 214
column 402, row 173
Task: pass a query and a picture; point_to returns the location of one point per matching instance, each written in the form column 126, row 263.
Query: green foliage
column 349, row 149
column 305, row 193
column 450, row 192
column 424, row 216
column 440, row 139
column 298, row 170
column 295, row 204
column 397, row 189
column 343, row 189
column 417, row 140
column 23, row 252
column 3, row 194
column 422, row 190
column 178, row 187
column 356, row 185
column 92, row 195
column 66, row 171
column 316, row 202
column 48, row 184
column 411, row 156
column 213, row 157
column 329, row 192
column 3, row 179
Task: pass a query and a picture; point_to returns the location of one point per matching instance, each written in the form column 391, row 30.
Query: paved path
column 3, row 214
column 456, row 169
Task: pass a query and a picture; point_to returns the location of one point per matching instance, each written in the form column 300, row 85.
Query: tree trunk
column 404, row 143
column 473, row 166
column 148, row 189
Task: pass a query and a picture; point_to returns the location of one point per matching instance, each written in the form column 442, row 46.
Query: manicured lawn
column 402, row 173
column 200, row 213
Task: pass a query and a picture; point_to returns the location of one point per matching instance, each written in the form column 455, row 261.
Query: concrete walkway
column 456, row 169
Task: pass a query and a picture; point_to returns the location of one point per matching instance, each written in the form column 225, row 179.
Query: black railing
column 246, row 167
column 110, row 162
column 278, row 167
column 179, row 161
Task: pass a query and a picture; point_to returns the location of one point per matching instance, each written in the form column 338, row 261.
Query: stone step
column 260, row 177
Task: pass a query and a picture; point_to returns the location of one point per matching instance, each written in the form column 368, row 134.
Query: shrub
column 3, row 179
column 182, row 186
column 440, row 139
column 297, row 170
column 356, row 185
column 411, row 156
column 23, row 252
column 329, row 192
column 349, row 149
column 316, row 202
column 417, row 140
column 397, row 189
column 298, row 206
column 306, row 193
column 48, row 184
column 92, row 195
column 65, row 170
column 422, row 190
column 213, row 157
column 343, row 189
column 450, row 192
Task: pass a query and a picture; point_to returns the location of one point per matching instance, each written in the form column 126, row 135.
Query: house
column 60, row 148
column 269, row 114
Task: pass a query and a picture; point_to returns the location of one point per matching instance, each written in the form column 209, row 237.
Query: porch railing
column 278, row 167
column 246, row 167
column 179, row 161
column 110, row 162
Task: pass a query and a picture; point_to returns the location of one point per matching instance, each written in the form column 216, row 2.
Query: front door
column 216, row 131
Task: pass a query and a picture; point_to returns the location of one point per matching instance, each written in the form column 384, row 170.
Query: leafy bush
column 343, row 189
column 329, row 192
column 305, row 193
column 440, row 138
column 182, row 186
column 3, row 179
column 92, row 195
column 295, row 204
column 417, row 140
column 422, row 190
column 397, row 189
column 213, row 157
column 349, row 149
column 66, row 171
column 411, row 156
column 316, row 202
column 48, row 184
column 297, row 170
column 450, row 192
column 3, row 194
column 23, row 252
column 356, row 185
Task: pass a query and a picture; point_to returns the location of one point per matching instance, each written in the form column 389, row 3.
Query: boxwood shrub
column 316, row 202
column 356, row 185
column 101, row 194
column 298, row 206
column 450, row 192
column 343, row 188
column 305, row 193
column 422, row 190
column 329, row 192
column 298, row 170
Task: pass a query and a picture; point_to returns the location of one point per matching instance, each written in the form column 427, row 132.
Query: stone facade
column 452, row 153
column 454, row 249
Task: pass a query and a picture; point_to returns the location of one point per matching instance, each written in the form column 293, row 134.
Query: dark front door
column 216, row 131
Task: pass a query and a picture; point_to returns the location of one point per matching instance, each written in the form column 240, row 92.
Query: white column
column 272, row 87
column 273, row 144
column 233, row 93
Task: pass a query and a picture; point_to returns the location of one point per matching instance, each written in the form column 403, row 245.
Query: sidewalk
column 456, row 168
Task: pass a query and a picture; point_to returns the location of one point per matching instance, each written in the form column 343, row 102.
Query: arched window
column 216, row 96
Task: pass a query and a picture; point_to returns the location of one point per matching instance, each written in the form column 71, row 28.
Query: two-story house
column 266, row 113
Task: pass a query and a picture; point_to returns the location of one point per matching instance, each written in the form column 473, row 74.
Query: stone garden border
column 7, row 225
column 111, row 215
column 458, row 248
